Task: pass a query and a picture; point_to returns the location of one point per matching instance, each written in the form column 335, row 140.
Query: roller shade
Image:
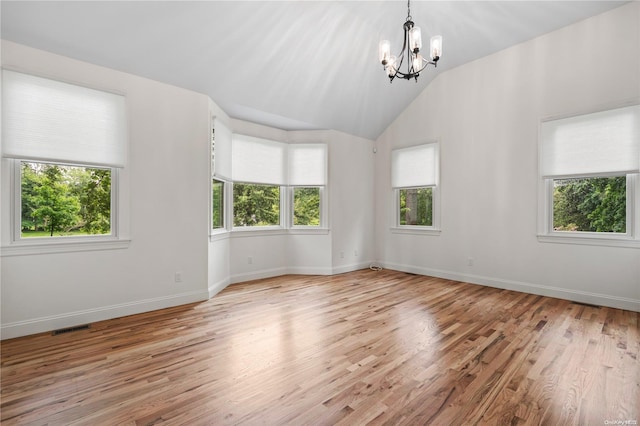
column 591, row 144
column 307, row 164
column 222, row 150
column 414, row 166
column 49, row 120
column 256, row 160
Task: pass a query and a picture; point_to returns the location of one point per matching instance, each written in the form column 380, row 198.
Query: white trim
column 218, row 287
column 257, row 231
column 70, row 319
column 49, row 247
column 350, row 267
column 219, row 234
column 257, row 275
column 589, row 239
column 415, row 230
column 531, row 288
column 308, row 230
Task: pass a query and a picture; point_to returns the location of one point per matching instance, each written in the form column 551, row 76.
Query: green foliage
column 256, row 205
column 217, row 209
column 590, row 204
column 306, row 206
column 64, row 200
column 416, row 206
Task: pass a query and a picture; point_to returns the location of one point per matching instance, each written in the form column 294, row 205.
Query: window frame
column 435, row 228
column 547, row 233
column 16, row 245
column 322, row 209
column 225, row 196
column 281, row 217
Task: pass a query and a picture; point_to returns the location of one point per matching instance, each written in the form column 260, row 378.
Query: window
column 597, row 204
column 416, row 206
column 217, row 204
column 306, row 206
column 414, row 178
column 61, row 200
column 307, row 175
column 66, row 144
column 588, row 171
column 256, row 205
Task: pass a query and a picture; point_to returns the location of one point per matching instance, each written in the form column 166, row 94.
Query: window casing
column 588, row 178
column 65, row 146
column 415, row 182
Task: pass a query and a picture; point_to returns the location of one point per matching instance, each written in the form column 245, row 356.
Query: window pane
column 590, row 204
column 61, row 200
column 306, row 206
column 416, row 206
column 217, row 204
column 256, row 205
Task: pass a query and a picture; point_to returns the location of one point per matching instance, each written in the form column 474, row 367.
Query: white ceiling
column 287, row 64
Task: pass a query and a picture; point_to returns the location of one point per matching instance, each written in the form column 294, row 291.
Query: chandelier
column 411, row 47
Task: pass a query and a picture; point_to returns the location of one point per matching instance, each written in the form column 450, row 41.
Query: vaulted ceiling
column 287, row 64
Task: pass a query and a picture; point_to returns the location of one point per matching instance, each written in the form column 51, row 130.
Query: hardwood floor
column 364, row 347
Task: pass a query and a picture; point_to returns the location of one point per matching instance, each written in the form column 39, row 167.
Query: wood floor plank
column 367, row 347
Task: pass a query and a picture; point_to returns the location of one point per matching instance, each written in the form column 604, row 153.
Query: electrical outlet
column 341, row 255
column 470, row 261
column 250, row 260
column 355, row 253
column 177, row 277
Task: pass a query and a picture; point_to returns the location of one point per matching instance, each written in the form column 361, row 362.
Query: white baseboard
column 71, row 319
column 257, row 275
column 218, row 287
column 350, row 268
column 301, row 270
column 542, row 290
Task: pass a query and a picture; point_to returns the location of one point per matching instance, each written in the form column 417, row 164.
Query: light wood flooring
column 359, row 348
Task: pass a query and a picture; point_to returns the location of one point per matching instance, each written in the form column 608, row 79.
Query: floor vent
column 70, row 329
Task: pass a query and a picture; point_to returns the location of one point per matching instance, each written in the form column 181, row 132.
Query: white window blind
column 49, row 120
column 599, row 143
column 415, row 166
column 256, row 160
column 222, row 150
column 307, row 164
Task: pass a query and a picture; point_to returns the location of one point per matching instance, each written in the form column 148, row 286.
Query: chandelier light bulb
column 384, row 51
column 415, row 39
column 417, row 63
column 436, row 47
column 391, row 66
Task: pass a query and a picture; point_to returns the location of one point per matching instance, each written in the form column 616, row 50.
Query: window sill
column 250, row 231
column 218, row 234
column 309, row 231
column 590, row 240
column 24, row 248
column 415, row 230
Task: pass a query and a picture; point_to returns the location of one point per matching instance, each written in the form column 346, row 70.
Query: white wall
column 486, row 116
column 166, row 188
